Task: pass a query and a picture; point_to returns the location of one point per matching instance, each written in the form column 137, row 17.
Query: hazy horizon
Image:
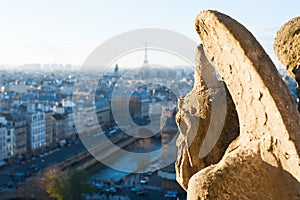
column 68, row 31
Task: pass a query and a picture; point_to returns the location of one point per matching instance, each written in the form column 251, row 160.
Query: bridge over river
column 102, row 147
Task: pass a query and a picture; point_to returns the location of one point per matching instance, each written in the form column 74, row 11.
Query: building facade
column 36, row 131
column 10, row 142
column 58, row 122
column 103, row 112
column 3, row 132
column 70, row 130
column 49, row 129
column 139, row 105
column 18, row 122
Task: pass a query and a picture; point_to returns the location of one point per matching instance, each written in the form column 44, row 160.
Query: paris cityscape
column 149, row 100
column 41, row 134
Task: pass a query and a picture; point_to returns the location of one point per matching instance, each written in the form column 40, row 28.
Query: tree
column 55, row 183
column 32, row 190
column 78, row 184
column 66, row 185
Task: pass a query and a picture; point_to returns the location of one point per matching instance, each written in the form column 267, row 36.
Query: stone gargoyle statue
column 255, row 153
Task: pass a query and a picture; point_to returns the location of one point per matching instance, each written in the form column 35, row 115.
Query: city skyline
column 67, row 32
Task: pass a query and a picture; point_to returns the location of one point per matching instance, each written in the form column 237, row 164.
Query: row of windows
column 38, row 138
column 20, row 124
column 38, row 123
column 38, row 117
column 37, row 141
column 38, row 130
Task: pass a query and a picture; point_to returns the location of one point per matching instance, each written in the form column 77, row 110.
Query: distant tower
column 116, row 69
column 146, row 56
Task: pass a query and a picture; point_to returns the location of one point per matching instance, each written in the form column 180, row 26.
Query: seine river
column 103, row 172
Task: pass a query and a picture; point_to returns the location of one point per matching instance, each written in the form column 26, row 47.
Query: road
column 152, row 189
column 59, row 155
column 127, row 194
column 50, row 158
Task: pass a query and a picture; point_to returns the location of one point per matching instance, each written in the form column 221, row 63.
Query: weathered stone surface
column 263, row 162
column 207, row 103
column 287, row 45
column 287, row 48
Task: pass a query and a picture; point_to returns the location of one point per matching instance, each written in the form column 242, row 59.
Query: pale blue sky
column 67, row 31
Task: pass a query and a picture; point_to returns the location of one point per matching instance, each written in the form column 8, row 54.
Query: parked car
column 11, row 174
column 19, row 176
column 33, row 158
column 141, row 193
column 23, row 162
column 170, row 195
column 11, row 186
column 118, row 187
column 111, row 190
column 28, row 174
column 2, row 163
column 33, row 168
column 173, row 192
column 99, row 186
column 145, row 180
column 137, row 189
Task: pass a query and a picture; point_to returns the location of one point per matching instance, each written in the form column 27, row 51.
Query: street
column 46, row 160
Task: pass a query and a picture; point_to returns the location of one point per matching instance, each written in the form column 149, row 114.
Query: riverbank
column 102, row 172
column 133, row 188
